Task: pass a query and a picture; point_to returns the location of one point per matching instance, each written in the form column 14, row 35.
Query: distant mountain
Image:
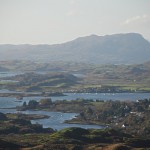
column 127, row 48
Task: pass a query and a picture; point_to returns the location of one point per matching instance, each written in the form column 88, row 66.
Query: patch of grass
column 7, row 83
column 145, row 88
column 12, row 116
column 117, row 147
column 98, row 105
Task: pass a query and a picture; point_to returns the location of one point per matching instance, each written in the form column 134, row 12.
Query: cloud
column 137, row 19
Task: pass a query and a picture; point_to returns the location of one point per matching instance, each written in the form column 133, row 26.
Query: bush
column 32, row 104
column 45, row 102
column 2, row 117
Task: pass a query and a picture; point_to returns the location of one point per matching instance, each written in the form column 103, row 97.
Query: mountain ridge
column 120, row 48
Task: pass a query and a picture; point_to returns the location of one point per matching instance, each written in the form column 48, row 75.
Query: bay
column 55, row 120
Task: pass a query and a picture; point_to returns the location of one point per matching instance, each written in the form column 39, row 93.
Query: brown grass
column 117, row 147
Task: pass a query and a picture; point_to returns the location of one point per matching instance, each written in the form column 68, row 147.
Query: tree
column 2, row 116
column 32, row 104
column 46, row 102
column 24, row 104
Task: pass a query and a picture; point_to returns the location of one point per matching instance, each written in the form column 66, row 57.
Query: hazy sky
column 57, row 21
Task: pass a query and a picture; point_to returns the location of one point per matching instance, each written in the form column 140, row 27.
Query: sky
column 59, row 21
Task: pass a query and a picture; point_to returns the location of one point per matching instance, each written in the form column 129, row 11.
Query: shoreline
column 29, row 116
column 78, row 120
column 19, row 96
column 86, row 123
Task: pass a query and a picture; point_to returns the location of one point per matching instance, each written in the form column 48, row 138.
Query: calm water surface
column 56, row 120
